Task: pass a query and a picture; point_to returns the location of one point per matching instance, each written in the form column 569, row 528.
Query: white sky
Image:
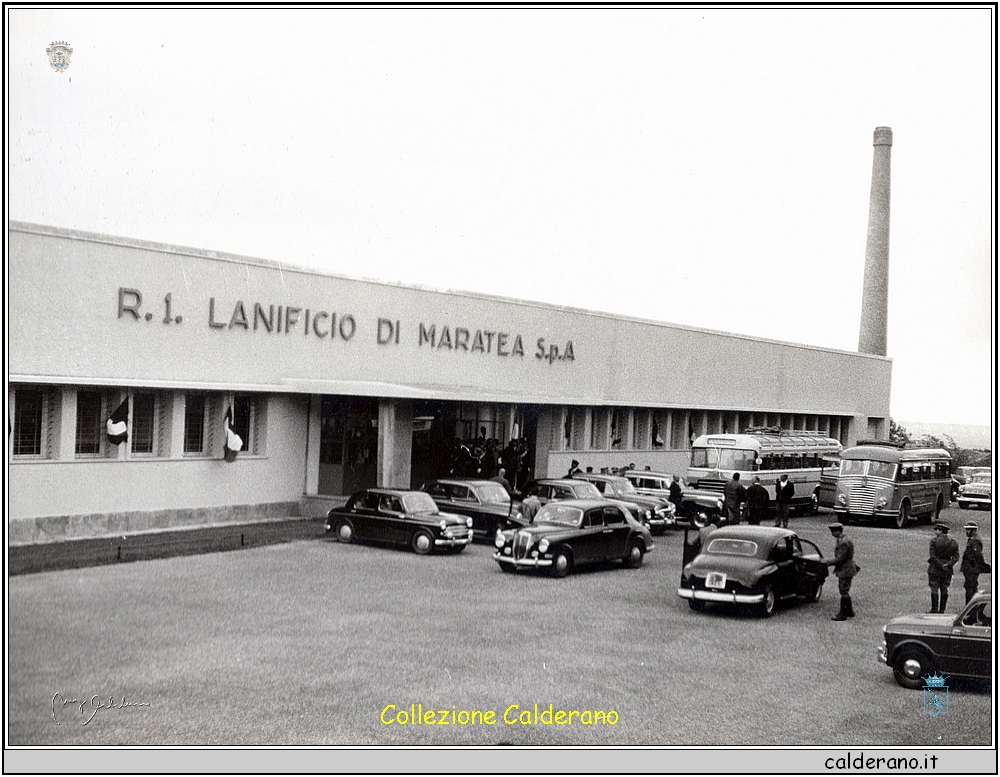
column 705, row 167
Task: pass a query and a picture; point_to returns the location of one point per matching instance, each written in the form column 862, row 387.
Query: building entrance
column 348, row 445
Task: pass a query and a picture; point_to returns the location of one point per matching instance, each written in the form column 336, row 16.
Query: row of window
column 38, row 412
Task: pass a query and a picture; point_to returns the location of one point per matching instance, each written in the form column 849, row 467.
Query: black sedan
column 400, row 517
column 916, row 646
column 573, row 533
column 751, row 565
column 486, row 502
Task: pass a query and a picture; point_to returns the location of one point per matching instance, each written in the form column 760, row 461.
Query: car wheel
column 422, row 542
column 700, row 520
column 561, row 564
column 696, row 604
column 902, row 516
column 633, row 560
column 770, row 603
column 345, row 531
column 910, row 665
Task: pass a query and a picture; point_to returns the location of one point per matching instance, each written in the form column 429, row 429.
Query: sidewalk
column 71, row 554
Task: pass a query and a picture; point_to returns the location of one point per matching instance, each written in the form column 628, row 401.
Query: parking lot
column 318, row 643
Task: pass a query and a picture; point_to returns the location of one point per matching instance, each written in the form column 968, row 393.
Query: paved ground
column 307, row 642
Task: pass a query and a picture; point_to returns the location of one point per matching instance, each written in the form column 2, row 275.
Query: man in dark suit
column 757, row 502
column 784, row 490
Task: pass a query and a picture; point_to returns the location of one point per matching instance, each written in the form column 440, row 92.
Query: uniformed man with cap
column 845, row 569
column 973, row 562
column 941, row 566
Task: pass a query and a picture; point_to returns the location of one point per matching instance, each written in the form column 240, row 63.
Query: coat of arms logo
column 935, row 695
column 59, row 53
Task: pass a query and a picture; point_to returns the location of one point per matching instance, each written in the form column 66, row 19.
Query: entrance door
column 348, row 458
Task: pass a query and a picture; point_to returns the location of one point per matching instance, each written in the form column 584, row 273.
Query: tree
column 898, row 434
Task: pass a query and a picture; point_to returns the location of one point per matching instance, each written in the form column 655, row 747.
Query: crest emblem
column 935, row 695
column 59, row 53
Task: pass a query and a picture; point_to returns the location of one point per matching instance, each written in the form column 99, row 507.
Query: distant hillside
column 964, row 435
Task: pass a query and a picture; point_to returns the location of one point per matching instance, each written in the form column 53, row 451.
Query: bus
column 881, row 481
column 806, row 457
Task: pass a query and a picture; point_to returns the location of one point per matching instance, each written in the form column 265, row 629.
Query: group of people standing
column 943, row 556
column 755, row 501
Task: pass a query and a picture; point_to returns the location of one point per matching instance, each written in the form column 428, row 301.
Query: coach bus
column 883, row 482
column 767, row 453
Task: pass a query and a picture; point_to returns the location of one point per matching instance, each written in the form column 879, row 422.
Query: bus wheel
column 902, row 516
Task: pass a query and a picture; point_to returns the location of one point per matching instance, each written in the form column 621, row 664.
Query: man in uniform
column 676, row 493
column 941, row 566
column 783, row 493
column 972, row 560
column 845, row 569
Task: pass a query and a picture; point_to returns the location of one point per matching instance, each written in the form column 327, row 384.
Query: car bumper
column 975, row 499
column 519, row 563
column 701, row 595
column 452, row 542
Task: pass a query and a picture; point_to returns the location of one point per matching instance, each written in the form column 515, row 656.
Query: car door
column 782, row 555
column 364, row 516
column 969, row 647
column 616, row 533
column 392, row 524
column 810, row 569
column 587, row 544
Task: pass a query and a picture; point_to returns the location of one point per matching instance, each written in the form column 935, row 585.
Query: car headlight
column 543, row 545
column 882, row 502
column 842, row 499
column 443, row 524
column 645, row 514
column 468, row 522
column 718, row 505
column 499, row 539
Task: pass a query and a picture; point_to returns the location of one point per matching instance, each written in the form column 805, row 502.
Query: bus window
column 852, row 467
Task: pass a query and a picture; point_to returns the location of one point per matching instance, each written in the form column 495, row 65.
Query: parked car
column 963, row 474
column 485, row 501
column 977, row 492
column 915, row 646
column 558, row 489
column 400, row 517
column 570, row 534
column 751, row 565
column 656, row 512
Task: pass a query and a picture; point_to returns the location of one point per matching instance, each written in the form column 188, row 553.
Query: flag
column 234, row 443
column 657, row 440
column 118, row 424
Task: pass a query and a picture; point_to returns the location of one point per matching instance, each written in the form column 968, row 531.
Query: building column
column 314, row 430
column 395, row 442
column 66, row 445
column 178, row 409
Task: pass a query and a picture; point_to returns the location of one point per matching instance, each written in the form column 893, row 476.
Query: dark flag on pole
column 118, row 424
column 234, row 443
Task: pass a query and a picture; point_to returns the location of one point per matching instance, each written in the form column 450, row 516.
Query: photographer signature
column 90, row 707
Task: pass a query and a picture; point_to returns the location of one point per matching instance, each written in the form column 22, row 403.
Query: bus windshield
column 875, row 469
column 724, row 458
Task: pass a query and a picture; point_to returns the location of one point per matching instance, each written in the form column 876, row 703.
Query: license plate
column 715, row 580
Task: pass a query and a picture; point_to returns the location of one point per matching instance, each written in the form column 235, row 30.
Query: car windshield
column 727, row 546
column 554, row 512
column 723, row 458
column 419, row 502
column 985, row 478
column 875, row 469
column 493, row 493
column 624, row 486
column 586, row 490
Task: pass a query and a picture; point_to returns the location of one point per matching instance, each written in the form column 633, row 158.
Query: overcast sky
column 706, row 167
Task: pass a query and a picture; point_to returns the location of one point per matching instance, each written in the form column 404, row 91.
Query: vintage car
column 977, row 492
column 656, row 512
column 559, row 489
column 751, row 565
column 400, row 517
column 486, row 502
column 570, row 534
column 915, row 646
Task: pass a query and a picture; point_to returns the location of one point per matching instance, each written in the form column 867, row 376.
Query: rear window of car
column 730, row 547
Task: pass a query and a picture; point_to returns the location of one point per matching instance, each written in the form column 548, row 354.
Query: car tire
column 344, row 531
column 696, row 604
column 422, row 542
column 902, row 516
column 770, row 603
column 910, row 665
column 561, row 563
column 633, row 559
column 700, row 519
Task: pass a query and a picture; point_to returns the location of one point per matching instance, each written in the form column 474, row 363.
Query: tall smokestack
column 875, row 297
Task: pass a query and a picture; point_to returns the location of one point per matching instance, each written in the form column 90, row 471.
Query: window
column 194, row 423
column 248, row 418
column 613, row 516
column 89, row 423
column 29, row 422
column 144, row 423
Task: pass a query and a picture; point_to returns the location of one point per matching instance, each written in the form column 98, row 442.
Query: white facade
column 184, row 334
